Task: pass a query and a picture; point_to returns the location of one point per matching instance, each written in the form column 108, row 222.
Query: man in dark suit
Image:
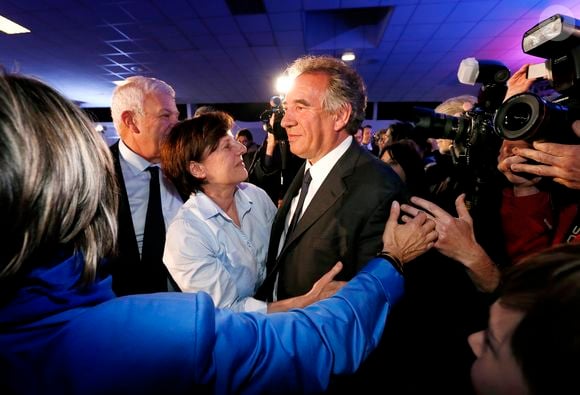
column 351, row 191
column 143, row 111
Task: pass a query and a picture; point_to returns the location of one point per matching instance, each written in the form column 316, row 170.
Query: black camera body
column 532, row 118
column 273, row 126
column 475, row 140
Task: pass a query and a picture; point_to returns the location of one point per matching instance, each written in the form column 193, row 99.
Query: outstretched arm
column 456, row 239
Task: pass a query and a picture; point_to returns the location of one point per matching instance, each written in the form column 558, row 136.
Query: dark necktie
column 303, row 191
column 154, row 238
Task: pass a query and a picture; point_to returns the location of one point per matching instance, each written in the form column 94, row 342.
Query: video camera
column 474, row 138
column 273, row 126
column 527, row 116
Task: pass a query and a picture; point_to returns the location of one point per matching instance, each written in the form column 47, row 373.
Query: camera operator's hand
column 523, row 185
column 558, row 161
column 456, row 239
column 519, row 82
column 270, row 144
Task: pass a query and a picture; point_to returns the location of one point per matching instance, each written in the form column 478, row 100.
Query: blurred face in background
column 243, row 140
column 358, row 136
column 394, row 164
column 496, row 371
column 383, row 138
column 367, row 135
column 444, row 145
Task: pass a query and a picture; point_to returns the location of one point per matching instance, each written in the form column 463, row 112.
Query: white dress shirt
column 206, row 251
column 318, row 171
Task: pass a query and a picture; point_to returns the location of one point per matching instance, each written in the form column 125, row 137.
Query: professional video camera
column 529, row 117
column 273, row 125
column 474, row 139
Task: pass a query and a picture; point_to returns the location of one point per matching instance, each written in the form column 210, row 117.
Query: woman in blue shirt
column 218, row 241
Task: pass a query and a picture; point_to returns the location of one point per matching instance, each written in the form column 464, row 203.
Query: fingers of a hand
column 335, row 269
column 572, row 184
column 394, row 213
column 412, row 211
column 557, row 150
column 538, row 156
column 538, row 170
column 461, row 208
column 429, row 206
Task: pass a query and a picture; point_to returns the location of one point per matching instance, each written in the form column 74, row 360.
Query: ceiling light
column 119, row 82
column 9, row 27
column 348, row 56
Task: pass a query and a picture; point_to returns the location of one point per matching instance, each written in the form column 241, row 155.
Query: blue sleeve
column 298, row 351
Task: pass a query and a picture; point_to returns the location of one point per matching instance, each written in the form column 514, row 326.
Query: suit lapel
column 126, row 229
column 333, row 187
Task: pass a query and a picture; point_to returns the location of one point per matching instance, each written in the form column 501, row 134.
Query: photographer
column 540, row 207
column 274, row 166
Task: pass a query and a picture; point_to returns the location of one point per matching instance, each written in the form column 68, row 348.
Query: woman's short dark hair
column 407, row 153
column 192, row 140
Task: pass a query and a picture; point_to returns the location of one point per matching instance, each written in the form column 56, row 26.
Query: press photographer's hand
column 524, row 184
column 519, row 82
column 557, row 161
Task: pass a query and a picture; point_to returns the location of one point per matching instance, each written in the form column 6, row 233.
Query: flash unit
column 553, row 35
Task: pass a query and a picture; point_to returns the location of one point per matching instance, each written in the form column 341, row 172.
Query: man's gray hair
column 345, row 86
column 130, row 96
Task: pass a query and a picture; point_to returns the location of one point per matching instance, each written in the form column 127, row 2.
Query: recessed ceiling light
column 9, row 27
column 348, row 56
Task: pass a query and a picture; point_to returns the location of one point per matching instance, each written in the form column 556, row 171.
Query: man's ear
column 342, row 116
column 128, row 118
column 197, row 170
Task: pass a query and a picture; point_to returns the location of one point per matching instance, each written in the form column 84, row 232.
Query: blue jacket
column 58, row 339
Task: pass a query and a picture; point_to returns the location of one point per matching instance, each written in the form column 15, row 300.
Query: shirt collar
column 137, row 162
column 208, row 208
column 322, row 167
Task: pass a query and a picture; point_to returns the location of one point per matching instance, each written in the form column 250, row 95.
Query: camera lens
column 518, row 117
column 529, row 117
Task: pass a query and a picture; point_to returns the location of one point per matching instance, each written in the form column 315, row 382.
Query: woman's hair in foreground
column 546, row 343
column 57, row 186
column 192, row 140
column 345, row 86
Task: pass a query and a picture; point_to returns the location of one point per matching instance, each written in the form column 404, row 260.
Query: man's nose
column 287, row 119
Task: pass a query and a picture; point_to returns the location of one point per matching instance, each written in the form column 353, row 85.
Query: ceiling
column 230, row 51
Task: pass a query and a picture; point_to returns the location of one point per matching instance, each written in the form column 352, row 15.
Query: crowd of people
column 160, row 265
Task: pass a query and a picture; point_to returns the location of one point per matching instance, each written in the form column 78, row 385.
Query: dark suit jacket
column 129, row 276
column 344, row 221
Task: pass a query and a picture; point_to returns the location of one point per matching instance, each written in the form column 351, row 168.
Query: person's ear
column 342, row 116
column 128, row 119
column 197, row 170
